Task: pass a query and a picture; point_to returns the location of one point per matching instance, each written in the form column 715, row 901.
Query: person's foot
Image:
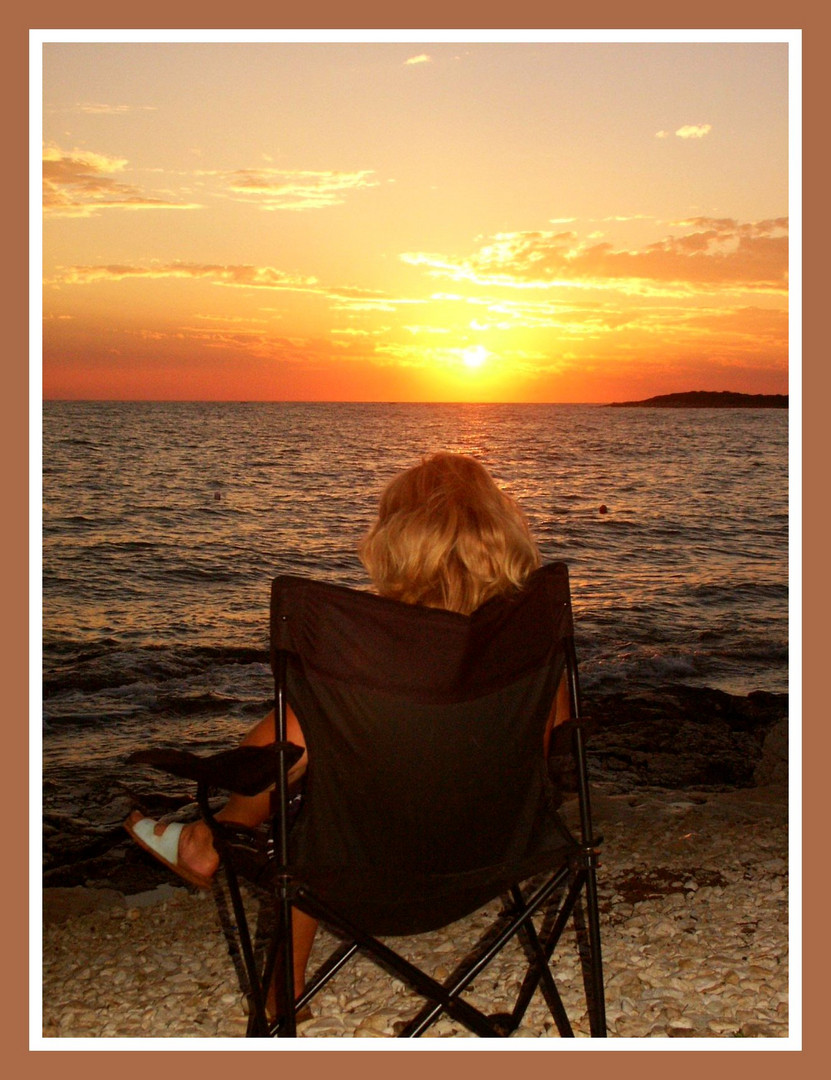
column 274, row 1008
column 187, row 850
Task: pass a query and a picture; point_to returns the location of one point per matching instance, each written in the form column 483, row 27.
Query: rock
column 773, row 766
column 62, row 904
column 681, row 737
column 151, row 896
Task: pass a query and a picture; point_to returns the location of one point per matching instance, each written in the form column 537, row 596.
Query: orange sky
column 414, row 221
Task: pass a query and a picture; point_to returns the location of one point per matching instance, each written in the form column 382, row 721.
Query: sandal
column 164, row 846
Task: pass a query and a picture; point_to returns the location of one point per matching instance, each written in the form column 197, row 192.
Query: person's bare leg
column 560, row 711
column 304, row 928
column 196, row 845
column 253, row 810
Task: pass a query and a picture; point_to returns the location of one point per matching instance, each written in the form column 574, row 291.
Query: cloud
column 229, row 320
column 79, row 183
column 618, row 218
column 422, row 58
column 343, row 298
column 250, row 277
column 694, row 131
column 711, row 254
column 254, row 343
column 100, row 109
column 69, row 163
column 282, row 189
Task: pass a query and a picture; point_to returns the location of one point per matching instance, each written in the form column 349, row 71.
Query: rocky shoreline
column 689, row 790
column 678, row 738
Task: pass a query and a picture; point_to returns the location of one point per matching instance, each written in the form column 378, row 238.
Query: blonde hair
column 446, row 536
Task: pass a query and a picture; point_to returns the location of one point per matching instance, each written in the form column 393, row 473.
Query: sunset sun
column 475, row 356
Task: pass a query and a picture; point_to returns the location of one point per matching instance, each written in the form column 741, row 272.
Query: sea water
column 163, row 524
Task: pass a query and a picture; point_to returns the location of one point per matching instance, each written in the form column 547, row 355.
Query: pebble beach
column 694, row 924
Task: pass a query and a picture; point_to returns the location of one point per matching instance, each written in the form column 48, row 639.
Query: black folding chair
column 427, row 795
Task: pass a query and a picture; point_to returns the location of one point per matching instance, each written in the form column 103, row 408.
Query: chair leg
column 341, row 956
column 449, row 999
column 444, row 998
column 258, row 1025
column 540, row 972
column 283, row 974
column 597, row 1008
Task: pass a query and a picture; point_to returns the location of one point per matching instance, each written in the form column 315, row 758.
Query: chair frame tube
column 441, row 997
column 285, row 921
column 589, row 844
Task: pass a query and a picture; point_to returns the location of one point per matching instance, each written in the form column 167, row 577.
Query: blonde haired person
column 445, row 536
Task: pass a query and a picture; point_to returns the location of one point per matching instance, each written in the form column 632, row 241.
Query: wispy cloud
column 102, row 109
column 688, row 131
column 694, row 131
column 79, row 183
column 712, row 254
column 356, row 300
column 249, row 277
column 67, row 164
column 342, row 298
column 252, row 343
column 359, row 332
column 283, row 189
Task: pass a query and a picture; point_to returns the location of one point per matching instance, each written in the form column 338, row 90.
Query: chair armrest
column 246, row 770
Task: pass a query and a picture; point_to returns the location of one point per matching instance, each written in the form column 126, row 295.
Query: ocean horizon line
column 390, row 401
column 296, row 401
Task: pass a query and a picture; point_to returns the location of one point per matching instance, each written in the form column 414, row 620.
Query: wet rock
column 773, row 765
column 682, row 737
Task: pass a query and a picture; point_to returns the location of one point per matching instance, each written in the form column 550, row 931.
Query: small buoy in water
column 602, row 509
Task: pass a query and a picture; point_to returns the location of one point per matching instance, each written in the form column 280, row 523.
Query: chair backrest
column 427, row 789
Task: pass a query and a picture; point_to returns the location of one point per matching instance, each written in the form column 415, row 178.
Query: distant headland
column 708, row 399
